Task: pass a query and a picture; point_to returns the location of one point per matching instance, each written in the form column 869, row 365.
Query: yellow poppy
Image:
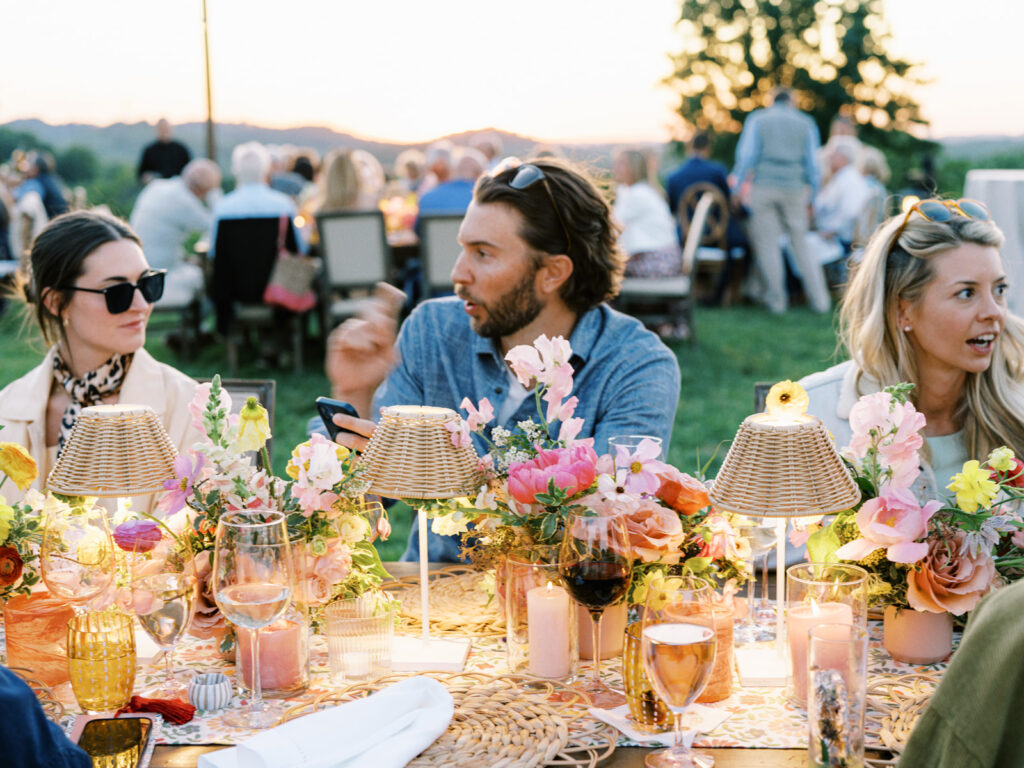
column 253, row 426
column 973, row 487
column 18, row 464
column 787, row 398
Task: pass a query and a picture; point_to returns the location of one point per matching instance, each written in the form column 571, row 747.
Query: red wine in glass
column 596, row 584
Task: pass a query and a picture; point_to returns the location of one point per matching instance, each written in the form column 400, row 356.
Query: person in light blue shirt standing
column 539, row 255
column 776, row 152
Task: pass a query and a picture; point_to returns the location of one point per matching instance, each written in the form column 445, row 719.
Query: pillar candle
column 799, row 620
column 547, row 618
column 280, row 662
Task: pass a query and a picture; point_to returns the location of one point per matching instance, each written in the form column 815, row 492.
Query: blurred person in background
column 455, row 195
column 252, row 196
column 164, row 158
column 371, row 177
column 410, row 165
column 648, row 227
column 439, row 165
column 489, row 144
column 166, row 213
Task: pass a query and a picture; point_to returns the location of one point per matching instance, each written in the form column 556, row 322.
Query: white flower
column 352, row 528
column 500, row 435
column 485, row 499
column 450, row 525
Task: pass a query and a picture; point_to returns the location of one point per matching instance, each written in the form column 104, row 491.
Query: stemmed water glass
column 252, row 586
column 164, row 603
column 595, row 562
column 678, row 648
column 76, row 553
column 758, row 621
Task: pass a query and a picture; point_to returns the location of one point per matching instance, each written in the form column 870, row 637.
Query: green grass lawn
column 736, row 347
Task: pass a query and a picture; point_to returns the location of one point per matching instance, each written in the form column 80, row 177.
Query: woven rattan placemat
column 514, row 721
column 894, row 702
column 459, row 603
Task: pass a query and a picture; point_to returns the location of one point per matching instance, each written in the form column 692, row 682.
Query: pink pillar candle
column 547, row 617
column 799, row 620
column 281, row 664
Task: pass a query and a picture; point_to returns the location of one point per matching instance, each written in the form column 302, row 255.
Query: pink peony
column 894, row 521
column 572, row 469
column 949, row 579
column 655, row 533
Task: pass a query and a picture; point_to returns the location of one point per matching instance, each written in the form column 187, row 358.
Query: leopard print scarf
column 89, row 389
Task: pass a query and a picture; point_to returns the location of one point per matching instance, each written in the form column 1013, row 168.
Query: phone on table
column 327, row 407
column 121, row 741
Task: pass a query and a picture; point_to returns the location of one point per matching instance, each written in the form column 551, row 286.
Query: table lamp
column 411, row 456
column 782, row 463
column 114, row 451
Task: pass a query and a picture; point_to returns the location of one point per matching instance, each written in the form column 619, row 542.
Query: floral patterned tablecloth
column 759, row 717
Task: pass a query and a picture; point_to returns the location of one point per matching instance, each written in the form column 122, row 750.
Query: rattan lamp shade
column 783, row 467
column 114, row 451
column 411, row 456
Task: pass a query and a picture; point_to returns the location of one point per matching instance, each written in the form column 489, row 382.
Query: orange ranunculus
column 684, row 493
column 18, row 464
column 10, row 566
column 948, row 580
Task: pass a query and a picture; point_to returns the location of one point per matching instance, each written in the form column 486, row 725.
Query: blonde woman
column 927, row 305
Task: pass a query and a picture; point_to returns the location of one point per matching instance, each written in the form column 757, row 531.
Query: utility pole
column 210, row 146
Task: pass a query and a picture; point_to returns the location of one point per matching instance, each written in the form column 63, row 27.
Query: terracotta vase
column 613, row 627
column 720, row 683
column 36, row 627
column 917, row 637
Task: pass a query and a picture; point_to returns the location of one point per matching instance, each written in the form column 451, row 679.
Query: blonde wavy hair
column 992, row 407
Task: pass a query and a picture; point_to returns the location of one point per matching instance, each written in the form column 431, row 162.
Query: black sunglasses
column 526, row 177
column 120, row 295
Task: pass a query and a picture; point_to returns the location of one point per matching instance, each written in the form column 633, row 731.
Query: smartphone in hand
column 327, row 407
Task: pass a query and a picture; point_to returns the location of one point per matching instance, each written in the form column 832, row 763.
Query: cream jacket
column 148, row 382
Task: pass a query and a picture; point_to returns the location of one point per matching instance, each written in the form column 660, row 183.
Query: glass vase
column 284, row 654
column 36, row 628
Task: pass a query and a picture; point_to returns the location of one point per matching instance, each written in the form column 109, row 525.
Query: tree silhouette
column 833, row 53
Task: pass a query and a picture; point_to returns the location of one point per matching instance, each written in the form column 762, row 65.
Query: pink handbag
column 291, row 281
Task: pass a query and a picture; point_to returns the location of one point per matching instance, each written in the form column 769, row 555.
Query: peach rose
column 655, row 532
column 949, row 580
column 207, row 621
column 684, row 493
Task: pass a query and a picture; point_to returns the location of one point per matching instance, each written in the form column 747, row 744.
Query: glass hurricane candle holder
column 541, row 634
column 820, row 593
column 837, row 685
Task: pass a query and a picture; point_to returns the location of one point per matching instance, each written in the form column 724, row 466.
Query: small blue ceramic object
column 209, row 692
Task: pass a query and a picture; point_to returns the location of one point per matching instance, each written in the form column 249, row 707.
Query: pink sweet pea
column 477, row 416
column 572, row 469
column 569, row 430
column 180, row 488
column 641, row 467
column 557, row 410
column 896, row 427
column 525, row 363
column 460, row 433
column 894, row 521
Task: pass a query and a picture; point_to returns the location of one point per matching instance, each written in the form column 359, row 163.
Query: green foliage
column 77, row 165
column 833, row 53
column 12, row 140
column 116, row 188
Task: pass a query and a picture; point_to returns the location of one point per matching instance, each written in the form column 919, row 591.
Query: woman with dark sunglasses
column 927, row 304
column 91, row 292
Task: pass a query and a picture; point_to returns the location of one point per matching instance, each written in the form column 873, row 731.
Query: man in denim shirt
column 538, row 256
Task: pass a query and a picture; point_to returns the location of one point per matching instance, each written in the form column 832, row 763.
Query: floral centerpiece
column 933, row 556
column 321, row 498
column 536, row 475
column 20, row 525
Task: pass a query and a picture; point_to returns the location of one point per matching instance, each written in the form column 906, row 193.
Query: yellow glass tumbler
column 647, row 711
column 101, row 660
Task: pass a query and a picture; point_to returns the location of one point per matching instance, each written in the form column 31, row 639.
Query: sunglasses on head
column 525, row 177
column 119, row 296
column 944, row 210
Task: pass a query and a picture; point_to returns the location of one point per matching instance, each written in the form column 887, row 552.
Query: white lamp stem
column 780, row 585
column 424, row 591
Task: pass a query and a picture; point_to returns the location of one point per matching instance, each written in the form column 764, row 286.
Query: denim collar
column 582, row 339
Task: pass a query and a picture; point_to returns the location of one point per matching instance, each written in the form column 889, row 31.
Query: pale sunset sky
column 407, row 70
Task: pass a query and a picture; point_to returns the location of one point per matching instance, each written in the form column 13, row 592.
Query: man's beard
column 510, row 312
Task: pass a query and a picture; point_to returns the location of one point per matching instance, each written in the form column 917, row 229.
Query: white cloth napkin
column 385, row 730
column 697, row 719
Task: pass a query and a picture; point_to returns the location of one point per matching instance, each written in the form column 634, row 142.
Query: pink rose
column 334, row 566
column 894, row 521
column 949, row 579
column 655, row 532
column 312, row 591
column 721, row 542
column 572, row 469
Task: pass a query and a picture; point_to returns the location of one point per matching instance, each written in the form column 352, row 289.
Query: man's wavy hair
column 598, row 261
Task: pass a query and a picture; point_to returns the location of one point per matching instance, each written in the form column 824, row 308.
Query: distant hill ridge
column 123, row 142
